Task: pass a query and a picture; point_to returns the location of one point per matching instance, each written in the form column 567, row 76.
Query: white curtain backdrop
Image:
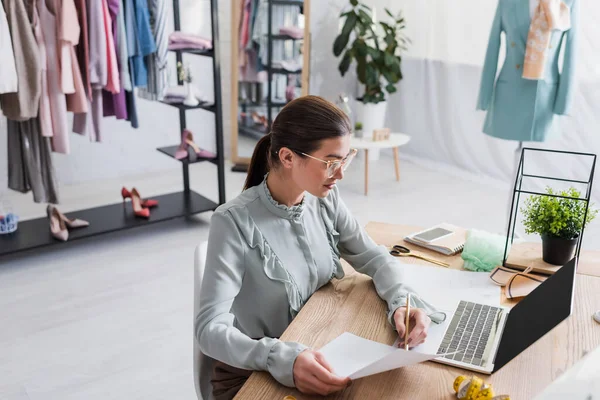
column 436, row 100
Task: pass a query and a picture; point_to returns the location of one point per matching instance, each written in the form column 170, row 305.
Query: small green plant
column 554, row 216
column 377, row 55
column 358, row 126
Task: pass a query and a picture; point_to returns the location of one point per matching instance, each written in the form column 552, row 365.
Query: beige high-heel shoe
column 59, row 223
column 58, row 228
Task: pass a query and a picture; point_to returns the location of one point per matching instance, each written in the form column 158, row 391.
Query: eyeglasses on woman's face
column 333, row 166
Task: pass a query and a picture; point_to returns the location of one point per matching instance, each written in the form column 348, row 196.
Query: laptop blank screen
column 537, row 314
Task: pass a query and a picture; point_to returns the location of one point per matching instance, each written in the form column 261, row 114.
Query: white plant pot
column 372, row 117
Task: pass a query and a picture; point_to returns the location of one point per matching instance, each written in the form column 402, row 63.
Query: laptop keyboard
column 468, row 332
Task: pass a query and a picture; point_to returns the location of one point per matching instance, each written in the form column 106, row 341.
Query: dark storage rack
column 35, row 233
column 270, row 104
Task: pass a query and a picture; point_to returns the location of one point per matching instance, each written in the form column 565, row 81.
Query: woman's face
column 312, row 175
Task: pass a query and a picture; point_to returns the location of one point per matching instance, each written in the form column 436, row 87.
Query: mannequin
column 522, row 101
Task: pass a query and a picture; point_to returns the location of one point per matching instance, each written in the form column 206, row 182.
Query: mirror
column 270, row 67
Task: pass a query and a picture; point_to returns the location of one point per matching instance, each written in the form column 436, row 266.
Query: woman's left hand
column 418, row 325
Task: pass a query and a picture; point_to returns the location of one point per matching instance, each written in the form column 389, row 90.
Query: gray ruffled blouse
column 265, row 260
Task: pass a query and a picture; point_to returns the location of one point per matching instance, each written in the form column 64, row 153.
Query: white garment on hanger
column 8, row 69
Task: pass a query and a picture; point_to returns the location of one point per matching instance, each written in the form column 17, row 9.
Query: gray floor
column 111, row 318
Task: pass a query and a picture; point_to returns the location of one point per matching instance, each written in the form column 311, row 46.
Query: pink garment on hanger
column 58, row 103
column 113, row 85
column 69, row 31
column 68, row 35
column 45, row 116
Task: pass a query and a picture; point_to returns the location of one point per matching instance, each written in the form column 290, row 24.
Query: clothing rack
column 35, row 233
column 271, row 71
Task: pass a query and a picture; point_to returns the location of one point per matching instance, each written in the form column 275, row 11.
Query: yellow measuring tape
column 475, row 389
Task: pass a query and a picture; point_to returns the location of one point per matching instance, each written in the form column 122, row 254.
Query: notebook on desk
column 444, row 238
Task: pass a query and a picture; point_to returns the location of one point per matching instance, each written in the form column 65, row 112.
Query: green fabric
column 483, row 251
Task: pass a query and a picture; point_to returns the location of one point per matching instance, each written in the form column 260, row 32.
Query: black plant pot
column 558, row 251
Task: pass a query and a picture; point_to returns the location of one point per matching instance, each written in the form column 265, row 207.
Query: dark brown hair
column 300, row 126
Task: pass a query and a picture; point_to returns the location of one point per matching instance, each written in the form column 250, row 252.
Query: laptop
column 485, row 338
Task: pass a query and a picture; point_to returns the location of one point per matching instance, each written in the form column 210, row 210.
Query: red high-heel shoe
column 136, row 203
column 148, row 203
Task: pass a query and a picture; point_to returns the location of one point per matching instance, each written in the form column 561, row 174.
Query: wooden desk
column 351, row 304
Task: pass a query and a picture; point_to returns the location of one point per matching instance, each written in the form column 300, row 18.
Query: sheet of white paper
column 356, row 357
column 445, row 288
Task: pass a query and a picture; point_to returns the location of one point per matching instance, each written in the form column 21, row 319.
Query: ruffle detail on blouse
column 272, row 265
column 293, row 212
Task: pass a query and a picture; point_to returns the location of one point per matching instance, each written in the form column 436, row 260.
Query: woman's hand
column 314, row 375
column 419, row 323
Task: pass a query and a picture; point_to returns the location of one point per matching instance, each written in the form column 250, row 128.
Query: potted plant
column 377, row 55
column 358, row 132
column 559, row 221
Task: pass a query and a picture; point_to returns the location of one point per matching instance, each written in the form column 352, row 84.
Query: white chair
column 202, row 363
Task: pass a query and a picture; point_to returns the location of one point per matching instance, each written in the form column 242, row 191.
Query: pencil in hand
column 406, row 322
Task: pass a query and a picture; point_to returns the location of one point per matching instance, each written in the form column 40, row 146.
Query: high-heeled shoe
column 136, row 203
column 148, row 203
column 187, row 140
column 58, row 228
column 70, row 223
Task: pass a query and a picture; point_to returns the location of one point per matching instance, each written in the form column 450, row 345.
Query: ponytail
column 259, row 165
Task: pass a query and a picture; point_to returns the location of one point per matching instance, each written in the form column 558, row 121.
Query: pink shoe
column 187, row 139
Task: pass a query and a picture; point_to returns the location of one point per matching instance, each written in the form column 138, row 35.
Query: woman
column 277, row 243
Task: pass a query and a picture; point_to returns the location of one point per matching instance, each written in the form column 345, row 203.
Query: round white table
column 396, row 140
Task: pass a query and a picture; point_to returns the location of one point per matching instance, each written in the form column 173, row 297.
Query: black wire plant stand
column 518, row 191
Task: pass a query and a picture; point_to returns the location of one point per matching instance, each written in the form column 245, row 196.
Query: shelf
column 35, row 233
column 261, row 105
column 192, row 157
column 287, row 2
column 285, row 37
column 198, row 52
column 204, row 106
column 285, row 72
column 249, row 131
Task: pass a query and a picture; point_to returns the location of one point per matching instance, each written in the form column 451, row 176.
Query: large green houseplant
column 558, row 220
column 376, row 49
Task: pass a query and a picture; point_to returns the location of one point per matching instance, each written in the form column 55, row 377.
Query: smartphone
column 432, row 234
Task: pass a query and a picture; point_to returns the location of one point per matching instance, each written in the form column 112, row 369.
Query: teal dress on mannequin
column 521, row 109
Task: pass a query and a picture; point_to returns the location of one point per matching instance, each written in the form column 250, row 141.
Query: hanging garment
column 45, row 115
column 112, row 84
column 133, row 50
column 123, row 54
column 82, row 47
column 157, row 62
column 69, row 30
column 143, row 41
column 8, row 71
column 91, row 123
column 517, row 108
column 114, row 103
column 23, row 104
column 30, row 161
column 56, row 97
